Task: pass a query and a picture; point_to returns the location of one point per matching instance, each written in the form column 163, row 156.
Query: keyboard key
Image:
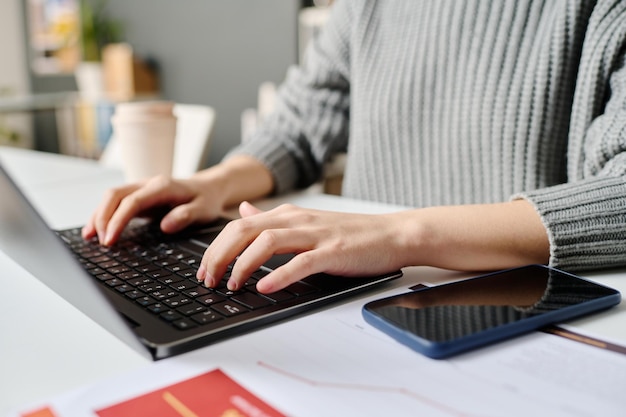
column 141, row 280
column 104, row 276
column 124, row 288
column 205, row 238
column 178, row 254
column 176, row 301
column 191, row 309
column 197, row 291
column 98, row 258
column 114, row 282
column 184, row 324
column 157, row 308
column 280, row 296
column 96, row 270
column 228, row 293
column 184, row 285
column 148, row 267
column 210, row 299
column 116, row 270
column 163, row 294
column 192, row 261
column 170, row 315
column 114, row 253
column 188, row 273
column 206, row 317
column 136, row 263
column 176, row 268
column 127, row 275
column 134, row 294
column 145, row 300
column 301, row 288
column 259, row 273
column 191, row 247
column 164, row 263
column 158, row 273
column 148, row 255
column 170, row 279
column 251, row 300
column 251, row 283
column 151, row 287
column 229, row 308
column 108, row 264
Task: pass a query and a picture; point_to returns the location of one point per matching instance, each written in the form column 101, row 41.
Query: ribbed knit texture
column 467, row 101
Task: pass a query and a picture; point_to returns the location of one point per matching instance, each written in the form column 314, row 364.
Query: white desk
column 48, row 347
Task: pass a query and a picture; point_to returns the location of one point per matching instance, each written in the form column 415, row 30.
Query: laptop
column 143, row 289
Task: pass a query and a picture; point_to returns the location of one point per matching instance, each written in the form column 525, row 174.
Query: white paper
column 333, row 363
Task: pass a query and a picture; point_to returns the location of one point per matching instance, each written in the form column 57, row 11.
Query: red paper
column 212, row 394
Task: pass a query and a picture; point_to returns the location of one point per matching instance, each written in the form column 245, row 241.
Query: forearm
column 475, row 237
column 310, row 120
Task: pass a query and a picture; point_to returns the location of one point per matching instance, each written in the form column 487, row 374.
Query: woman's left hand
column 323, row 241
column 467, row 237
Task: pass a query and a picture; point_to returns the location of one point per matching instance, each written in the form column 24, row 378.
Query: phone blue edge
column 442, row 350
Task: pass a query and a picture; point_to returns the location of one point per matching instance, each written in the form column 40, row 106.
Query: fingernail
column 209, row 281
column 108, row 238
column 232, row 285
column 201, row 273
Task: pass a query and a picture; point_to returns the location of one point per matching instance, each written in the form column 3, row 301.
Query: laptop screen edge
column 27, row 240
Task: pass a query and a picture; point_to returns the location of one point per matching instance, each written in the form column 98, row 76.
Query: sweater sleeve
column 586, row 217
column 311, row 118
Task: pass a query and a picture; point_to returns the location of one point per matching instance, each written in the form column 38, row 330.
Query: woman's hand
column 335, row 243
column 471, row 237
column 182, row 202
column 198, row 199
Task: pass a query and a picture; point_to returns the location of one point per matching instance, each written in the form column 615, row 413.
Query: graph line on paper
column 370, row 388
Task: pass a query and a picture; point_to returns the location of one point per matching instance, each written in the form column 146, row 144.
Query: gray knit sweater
column 467, row 101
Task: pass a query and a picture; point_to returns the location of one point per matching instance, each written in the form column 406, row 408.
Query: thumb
column 178, row 218
column 246, row 209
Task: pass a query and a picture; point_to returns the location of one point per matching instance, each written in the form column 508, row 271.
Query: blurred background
column 220, row 53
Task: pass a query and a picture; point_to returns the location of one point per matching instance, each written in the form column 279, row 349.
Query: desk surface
column 48, row 347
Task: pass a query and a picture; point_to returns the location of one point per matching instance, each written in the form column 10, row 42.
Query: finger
column 235, row 237
column 284, row 215
column 267, row 244
column 110, row 203
column 156, row 192
column 184, row 215
column 177, row 219
column 222, row 251
column 246, row 209
column 301, row 266
column 89, row 229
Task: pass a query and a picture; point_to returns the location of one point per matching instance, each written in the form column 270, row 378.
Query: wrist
column 416, row 237
column 474, row 237
column 235, row 180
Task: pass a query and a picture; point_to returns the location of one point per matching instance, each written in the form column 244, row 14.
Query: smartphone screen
column 451, row 318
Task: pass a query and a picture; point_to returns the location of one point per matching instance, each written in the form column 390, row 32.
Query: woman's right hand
column 180, row 202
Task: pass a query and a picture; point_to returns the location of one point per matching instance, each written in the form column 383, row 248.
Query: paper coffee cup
column 146, row 132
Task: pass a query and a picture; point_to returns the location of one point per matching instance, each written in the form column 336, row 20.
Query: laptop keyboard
column 158, row 273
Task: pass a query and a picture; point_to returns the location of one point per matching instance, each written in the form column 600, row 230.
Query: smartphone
column 445, row 320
